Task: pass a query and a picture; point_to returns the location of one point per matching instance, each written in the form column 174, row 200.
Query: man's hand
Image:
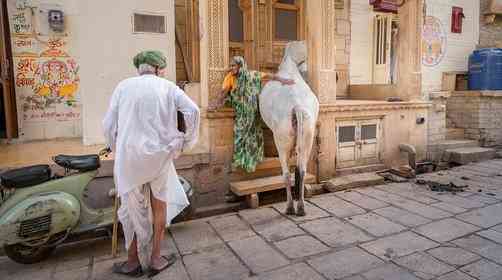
column 287, row 82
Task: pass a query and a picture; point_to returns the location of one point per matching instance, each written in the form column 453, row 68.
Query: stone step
column 470, row 154
column 263, row 184
column 455, row 133
column 354, row 181
column 359, row 169
column 437, row 150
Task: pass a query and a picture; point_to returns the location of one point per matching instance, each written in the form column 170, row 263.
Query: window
column 236, row 22
column 147, row 23
column 286, row 17
column 347, row 134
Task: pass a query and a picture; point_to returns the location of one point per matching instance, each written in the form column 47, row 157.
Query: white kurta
column 141, row 129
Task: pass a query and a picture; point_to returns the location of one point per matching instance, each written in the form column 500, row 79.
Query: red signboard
column 387, row 6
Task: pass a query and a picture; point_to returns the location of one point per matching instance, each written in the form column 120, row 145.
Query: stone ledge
column 478, row 93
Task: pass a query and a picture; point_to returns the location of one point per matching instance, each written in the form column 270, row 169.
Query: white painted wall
column 459, row 46
column 106, row 46
column 361, row 42
column 99, row 38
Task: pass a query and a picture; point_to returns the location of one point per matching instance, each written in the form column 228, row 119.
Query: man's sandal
column 171, row 259
column 121, row 268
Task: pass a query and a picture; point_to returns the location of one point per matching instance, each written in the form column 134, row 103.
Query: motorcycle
column 39, row 210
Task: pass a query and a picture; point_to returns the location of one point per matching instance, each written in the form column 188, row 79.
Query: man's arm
column 110, row 122
column 191, row 115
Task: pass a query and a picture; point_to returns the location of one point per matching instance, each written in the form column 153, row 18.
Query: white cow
column 291, row 111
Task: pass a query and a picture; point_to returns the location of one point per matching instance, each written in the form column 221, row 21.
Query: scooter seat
column 25, row 176
column 79, row 163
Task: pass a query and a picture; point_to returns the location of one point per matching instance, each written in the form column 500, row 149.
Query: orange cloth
column 230, row 82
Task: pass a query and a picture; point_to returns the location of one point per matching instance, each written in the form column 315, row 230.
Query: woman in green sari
column 244, row 87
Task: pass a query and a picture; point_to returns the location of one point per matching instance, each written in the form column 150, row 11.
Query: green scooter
column 39, row 211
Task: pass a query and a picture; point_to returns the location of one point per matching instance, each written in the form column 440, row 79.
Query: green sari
column 248, row 134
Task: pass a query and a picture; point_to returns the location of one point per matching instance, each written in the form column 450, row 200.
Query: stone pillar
column 409, row 67
column 321, row 33
column 213, row 26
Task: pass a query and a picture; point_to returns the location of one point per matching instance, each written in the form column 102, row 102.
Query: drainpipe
column 412, row 154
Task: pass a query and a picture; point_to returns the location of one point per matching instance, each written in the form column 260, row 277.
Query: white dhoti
column 135, row 213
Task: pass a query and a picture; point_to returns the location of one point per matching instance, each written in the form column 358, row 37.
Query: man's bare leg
column 159, row 225
column 132, row 255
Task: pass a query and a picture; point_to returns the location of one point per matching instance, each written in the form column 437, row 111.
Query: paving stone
column 389, row 272
column 73, row 264
column 481, row 246
column 388, row 197
column 313, row 212
column 492, row 235
column 446, row 230
column 455, row 275
column 423, row 210
column 459, row 201
column 257, row 254
column 357, row 277
column 484, row 270
column 334, row 232
column 214, row 263
column 398, row 245
column 484, row 217
column 453, row 255
column 271, row 224
column 449, row 207
column 497, row 228
column 361, row 200
column 408, row 190
column 344, row 263
column 194, row 236
column 176, row 271
column 402, row 216
column 300, row 271
column 375, row 224
column 31, row 275
column 232, row 228
column 301, row 246
column 337, row 206
column 167, row 246
column 103, row 270
column 76, row 274
column 424, row 266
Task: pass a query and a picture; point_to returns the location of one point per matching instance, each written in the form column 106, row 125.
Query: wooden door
column 358, row 143
column 7, row 75
column 382, row 27
column 347, row 148
column 368, row 142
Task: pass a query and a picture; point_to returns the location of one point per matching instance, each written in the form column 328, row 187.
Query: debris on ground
column 388, row 176
column 451, row 187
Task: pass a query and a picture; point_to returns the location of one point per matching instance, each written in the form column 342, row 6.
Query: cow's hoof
column 300, row 211
column 290, row 210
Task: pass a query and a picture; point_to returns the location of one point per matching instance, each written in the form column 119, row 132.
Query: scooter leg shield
column 39, row 216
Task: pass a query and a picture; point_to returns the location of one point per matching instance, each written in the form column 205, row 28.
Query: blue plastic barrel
column 485, row 69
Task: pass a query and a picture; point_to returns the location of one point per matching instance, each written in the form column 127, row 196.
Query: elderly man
column 141, row 129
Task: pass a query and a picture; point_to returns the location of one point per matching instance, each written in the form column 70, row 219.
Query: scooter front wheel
column 27, row 255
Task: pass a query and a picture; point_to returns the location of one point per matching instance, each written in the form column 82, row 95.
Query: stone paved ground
column 389, row 232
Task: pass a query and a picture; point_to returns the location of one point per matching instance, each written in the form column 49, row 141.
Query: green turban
column 153, row 58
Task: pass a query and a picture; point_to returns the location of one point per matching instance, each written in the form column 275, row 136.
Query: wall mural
column 46, row 76
column 433, row 42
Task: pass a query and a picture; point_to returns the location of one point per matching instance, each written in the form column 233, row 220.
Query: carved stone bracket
column 213, row 47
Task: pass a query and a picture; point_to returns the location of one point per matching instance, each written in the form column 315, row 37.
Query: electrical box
column 56, row 20
column 457, row 16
